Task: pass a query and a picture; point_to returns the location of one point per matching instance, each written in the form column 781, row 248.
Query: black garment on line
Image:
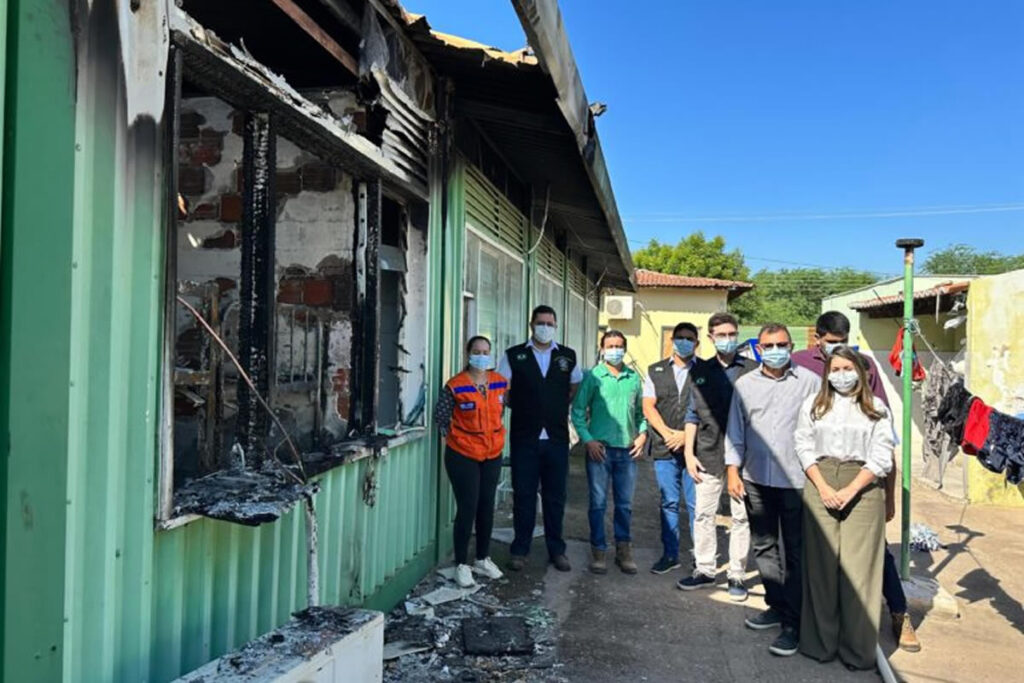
column 474, row 483
column 952, row 412
column 1004, row 448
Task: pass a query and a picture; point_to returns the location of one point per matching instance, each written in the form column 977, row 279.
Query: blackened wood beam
column 256, row 306
column 346, row 16
column 324, row 39
column 366, row 354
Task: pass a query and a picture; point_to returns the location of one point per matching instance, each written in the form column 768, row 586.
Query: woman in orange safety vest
column 468, row 413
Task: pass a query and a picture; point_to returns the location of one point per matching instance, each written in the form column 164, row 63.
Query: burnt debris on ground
column 447, row 641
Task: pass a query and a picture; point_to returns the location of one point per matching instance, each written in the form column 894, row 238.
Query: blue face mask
column 775, row 358
column 830, row 347
column 614, row 356
column 480, row 361
column 684, row 347
column 726, row 346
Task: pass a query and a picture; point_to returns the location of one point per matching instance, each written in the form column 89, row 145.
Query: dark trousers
column 474, row 483
column 545, row 464
column 892, row 586
column 778, row 513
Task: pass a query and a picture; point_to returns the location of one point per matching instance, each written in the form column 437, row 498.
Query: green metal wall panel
column 34, row 335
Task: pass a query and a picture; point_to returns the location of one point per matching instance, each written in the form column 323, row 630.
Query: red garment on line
column 896, row 359
column 977, row 426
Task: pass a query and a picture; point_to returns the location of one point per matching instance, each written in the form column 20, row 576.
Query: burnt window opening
column 263, row 243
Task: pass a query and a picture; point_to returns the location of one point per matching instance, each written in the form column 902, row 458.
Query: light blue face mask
column 480, row 361
column 830, row 347
column 727, row 346
column 684, row 347
column 614, row 356
column 775, row 358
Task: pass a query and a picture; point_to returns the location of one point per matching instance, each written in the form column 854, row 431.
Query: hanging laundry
column 952, row 411
column 896, row 359
column 977, row 427
column 1004, row 448
column 938, row 447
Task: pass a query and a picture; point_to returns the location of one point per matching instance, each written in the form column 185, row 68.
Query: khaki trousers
column 705, row 534
column 842, row 570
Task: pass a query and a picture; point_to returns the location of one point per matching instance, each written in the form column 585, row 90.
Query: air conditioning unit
column 618, row 307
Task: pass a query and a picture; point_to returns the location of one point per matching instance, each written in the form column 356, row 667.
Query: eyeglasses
column 772, row 347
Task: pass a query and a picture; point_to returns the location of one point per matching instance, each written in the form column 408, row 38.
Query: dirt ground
column 641, row 628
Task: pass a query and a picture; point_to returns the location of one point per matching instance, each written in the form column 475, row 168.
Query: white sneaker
column 487, row 568
column 464, row 576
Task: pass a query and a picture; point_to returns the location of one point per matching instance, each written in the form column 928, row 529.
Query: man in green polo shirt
column 608, row 415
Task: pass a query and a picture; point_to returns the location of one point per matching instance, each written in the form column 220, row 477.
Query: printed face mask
column 684, row 347
column 843, row 381
column 727, row 346
column 614, row 356
column 775, row 358
column 544, row 333
column 480, row 361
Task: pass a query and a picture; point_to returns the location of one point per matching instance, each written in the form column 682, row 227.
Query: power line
column 840, row 215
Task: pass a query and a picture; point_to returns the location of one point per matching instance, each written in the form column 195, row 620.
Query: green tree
column 793, row 296
column 962, row 259
column 695, row 256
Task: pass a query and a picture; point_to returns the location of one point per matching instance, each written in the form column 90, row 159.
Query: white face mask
column 843, row 381
column 543, row 333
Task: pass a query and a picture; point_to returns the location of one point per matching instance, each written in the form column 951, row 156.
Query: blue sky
column 766, row 121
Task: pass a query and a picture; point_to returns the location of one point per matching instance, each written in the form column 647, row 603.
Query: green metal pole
column 908, row 246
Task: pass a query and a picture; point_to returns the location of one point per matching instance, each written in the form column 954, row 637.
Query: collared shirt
column 543, row 358
column 759, row 438
column 845, row 433
column 616, row 411
column 732, row 373
column 679, row 370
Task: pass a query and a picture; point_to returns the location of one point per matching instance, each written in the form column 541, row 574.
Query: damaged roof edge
column 545, row 32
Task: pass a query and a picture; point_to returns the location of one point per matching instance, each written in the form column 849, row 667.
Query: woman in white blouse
column 844, row 441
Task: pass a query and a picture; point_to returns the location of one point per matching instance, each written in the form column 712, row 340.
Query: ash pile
column 486, row 633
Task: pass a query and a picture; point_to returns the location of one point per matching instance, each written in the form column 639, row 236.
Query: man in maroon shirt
column 833, row 329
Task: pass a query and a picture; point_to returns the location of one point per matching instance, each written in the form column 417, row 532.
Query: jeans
column 621, row 469
column 673, row 479
column 773, row 512
column 705, row 532
column 474, row 483
column 892, row 586
column 544, row 464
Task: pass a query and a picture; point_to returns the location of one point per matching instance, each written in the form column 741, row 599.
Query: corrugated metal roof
column 651, row 278
column 939, row 290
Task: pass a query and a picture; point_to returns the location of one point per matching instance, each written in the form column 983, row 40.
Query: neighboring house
column 660, row 302
column 345, row 196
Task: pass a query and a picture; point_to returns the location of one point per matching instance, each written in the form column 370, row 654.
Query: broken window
column 263, row 254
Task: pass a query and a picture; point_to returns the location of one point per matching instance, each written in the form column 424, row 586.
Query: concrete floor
column 641, row 628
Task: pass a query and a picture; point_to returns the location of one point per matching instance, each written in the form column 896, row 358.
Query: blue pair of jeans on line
column 673, row 480
column 619, row 468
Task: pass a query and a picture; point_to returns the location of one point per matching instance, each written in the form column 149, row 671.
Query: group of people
column 756, row 429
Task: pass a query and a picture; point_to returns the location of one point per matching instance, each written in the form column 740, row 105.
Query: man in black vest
column 665, row 399
column 543, row 378
column 706, row 419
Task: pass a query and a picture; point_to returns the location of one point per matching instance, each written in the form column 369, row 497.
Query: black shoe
column 561, row 563
column 737, row 590
column 516, row 563
column 762, row 621
column 665, row 565
column 692, row 583
column 786, row 644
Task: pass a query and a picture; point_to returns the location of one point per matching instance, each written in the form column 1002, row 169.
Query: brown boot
column 624, row 558
column 597, row 561
column 903, row 632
